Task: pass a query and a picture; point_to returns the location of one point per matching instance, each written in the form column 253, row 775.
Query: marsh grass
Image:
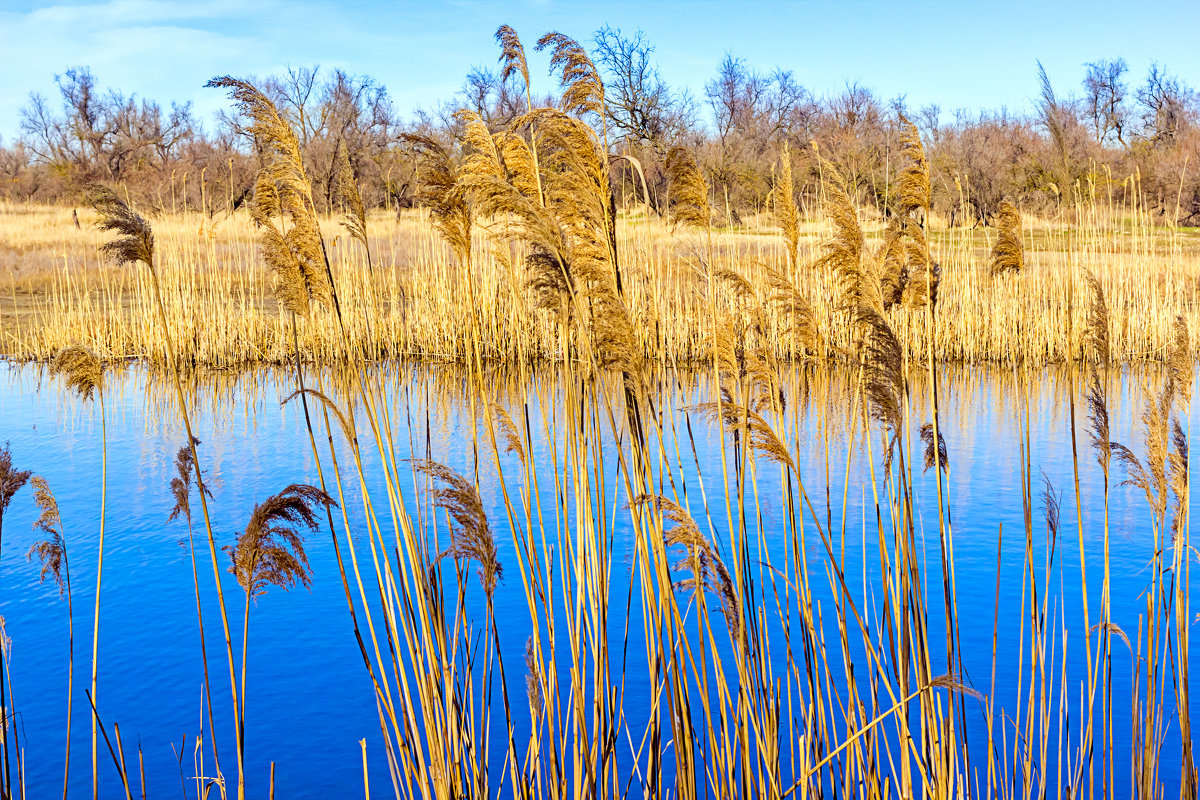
column 413, row 300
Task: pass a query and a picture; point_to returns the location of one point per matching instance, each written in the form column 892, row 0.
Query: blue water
column 309, row 700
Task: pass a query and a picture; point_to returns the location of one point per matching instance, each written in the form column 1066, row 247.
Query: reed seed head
column 786, row 214
column 470, row 536
column 51, row 551
column 181, row 483
column 135, row 242
column 1095, row 334
column 913, row 189
column 1008, row 253
column 942, row 457
column 270, row 552
column 703, row 561
column 512, row 55
column 347, row 195
column 282, row 190
column 81, row 369
column 688, row 189
column 583, row 90
column 533, row 683
column 11, row 479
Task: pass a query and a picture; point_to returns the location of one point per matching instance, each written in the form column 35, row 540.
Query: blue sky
column 955, row 54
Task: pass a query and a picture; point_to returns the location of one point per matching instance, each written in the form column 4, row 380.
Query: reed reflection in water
column 812, row 618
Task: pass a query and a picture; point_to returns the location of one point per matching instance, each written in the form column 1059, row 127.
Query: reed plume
column 842, row 253
column 439, row 190
column 688, row 189
column 187, row 473
column 583, row 90
column 508, row 432
column 883, row 364
column 52, row 550
column 786, row 214
column 470, row 536
column 762, row 438
column 11, row 481
column 912, row 185
column 533, row 684
column 270, row 552
column 1177, row 468
column 1098, row 423
column 346, row 193
column 1095, row 331
column 703, row 561
column 52, row 553
column 1150, row 475
column 801, row 326
column 893, row 263
column 135, row 242
column 520, row 165
column 1096, row 352
column 282, row 191
column 181, row 483
column 512, row 55
column 942, row 458
column 1051, row 507
column 1008, row 253
column 1179, row 361
column 923, row 274
column 81, row 370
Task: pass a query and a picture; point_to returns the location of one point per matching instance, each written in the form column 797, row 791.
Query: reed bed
column 56, row 290
column 750, row 688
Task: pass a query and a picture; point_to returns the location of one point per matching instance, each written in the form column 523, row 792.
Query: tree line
column 1082, row 144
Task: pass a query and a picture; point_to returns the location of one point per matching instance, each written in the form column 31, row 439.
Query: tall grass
column 413, row 300
column 752, row 688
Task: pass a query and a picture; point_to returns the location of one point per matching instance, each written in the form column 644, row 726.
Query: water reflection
column 311, row 700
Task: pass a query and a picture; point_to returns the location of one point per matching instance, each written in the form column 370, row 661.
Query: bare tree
column 1105, row 91
column 752, row 113
column 497, row 101
column 641, row 108
column 1163, row 100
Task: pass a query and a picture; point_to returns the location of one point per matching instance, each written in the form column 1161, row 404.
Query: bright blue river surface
column 309, row 700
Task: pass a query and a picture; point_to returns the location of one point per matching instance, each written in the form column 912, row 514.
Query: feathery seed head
column 470, row 536
column 703, row 561
column 181, row 483
column 1008, row 254
column 914, row 188
column 583, row 90
column 689, row 190
column 11, row 479
column 270, row 552
column 1095, row 335
column 82, row 370
column 51, row 551
column 533, row 683
column 346, row 194
column 512, row 55
column 135, row 241
column 785, row 206
column 1179, row 360
column 282, row 189
column 942, row 457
